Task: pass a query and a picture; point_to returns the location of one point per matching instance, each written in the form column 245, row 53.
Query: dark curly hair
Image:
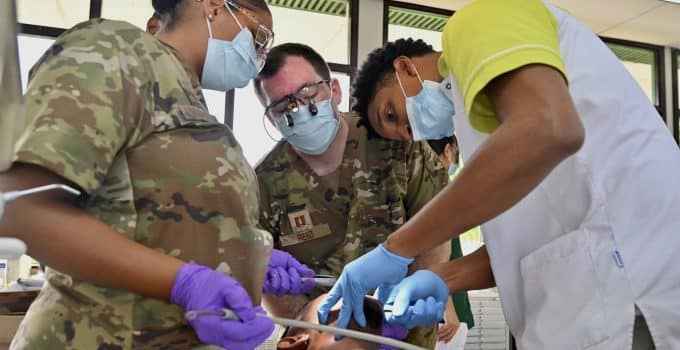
column 169, row 12
column 378, row 69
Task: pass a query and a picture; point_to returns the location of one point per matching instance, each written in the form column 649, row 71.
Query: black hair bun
column 164, row 6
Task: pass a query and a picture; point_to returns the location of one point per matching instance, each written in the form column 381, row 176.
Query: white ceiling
column 650, row 21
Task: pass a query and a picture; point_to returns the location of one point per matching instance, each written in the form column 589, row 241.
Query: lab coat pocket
column 563, row 299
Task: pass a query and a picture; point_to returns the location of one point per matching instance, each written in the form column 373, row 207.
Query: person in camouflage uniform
column 330, row 208
column 120, row 115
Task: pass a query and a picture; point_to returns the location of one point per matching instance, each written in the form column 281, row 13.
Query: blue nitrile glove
column 284, row 275
column 358, row 278
column 199, row 288
column 418, row 300
column 394, row 332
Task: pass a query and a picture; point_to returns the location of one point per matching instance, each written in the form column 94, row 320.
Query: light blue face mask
column 430, row 112
column 452, row 169
column 230, row 64
column 310, row 134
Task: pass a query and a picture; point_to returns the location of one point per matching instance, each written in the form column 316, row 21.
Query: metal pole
column 11, row 100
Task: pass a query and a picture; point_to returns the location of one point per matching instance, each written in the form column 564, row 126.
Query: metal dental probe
column 228, row 314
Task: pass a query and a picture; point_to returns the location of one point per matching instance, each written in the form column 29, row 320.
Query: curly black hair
column 378, row 69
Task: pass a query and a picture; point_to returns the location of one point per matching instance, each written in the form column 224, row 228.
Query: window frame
column 675, row 56
column 229, row 97
column 53, row 32
column 408, row 6
column 660, row 73
column 349, row 69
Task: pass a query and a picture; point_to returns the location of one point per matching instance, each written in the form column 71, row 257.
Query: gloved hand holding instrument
column 201, row 288
column 361, row 276
column 418, row 300
column 389, row 339
column 287, row 276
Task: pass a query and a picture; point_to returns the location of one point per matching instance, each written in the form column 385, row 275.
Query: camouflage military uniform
column 119, row 114
column 382, row 183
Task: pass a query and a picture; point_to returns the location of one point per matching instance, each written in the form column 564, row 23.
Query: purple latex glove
column 284, row 275
column 200, row 288
column 393, row 331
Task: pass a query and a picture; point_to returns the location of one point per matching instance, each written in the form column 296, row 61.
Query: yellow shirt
column 527, row 34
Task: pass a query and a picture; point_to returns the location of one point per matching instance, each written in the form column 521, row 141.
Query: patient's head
column 307, row 339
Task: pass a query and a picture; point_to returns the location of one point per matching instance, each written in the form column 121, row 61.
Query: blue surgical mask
column 430, row 112
column 310, row 134
column 230, row 64
column 452, row 169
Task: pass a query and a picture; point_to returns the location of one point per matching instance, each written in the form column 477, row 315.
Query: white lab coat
column 553, row 253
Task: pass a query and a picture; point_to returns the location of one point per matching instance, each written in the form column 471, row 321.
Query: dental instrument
column 322, row 280
column 228, row 314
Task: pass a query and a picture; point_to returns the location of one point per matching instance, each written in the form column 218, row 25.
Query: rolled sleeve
column 75, row 103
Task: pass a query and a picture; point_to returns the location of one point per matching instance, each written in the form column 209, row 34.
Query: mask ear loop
column 417, row 74
column 312, row 103
column 334, row 106
column 401, row 86
column 264, row 125
column 233, row 15
column 207, row 21
column 330, row 86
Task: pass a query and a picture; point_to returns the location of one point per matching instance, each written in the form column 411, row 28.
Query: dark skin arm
column 64, row 237
column 469, row 272
column 539, row 128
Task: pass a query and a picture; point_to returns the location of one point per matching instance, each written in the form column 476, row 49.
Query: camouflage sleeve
column 427, row 176
column 81, row 109
column 268, row 217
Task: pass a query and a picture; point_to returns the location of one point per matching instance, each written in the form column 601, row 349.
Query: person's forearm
column 69, row 240
column 440, row 254
column 505, row 169
column 449, row 308
column 469, row 272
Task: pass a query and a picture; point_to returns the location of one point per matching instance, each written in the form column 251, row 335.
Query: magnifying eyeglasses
column 294, row 108
column 289, row 104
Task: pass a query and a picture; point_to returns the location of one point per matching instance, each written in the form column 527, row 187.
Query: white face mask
column 430, row 112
